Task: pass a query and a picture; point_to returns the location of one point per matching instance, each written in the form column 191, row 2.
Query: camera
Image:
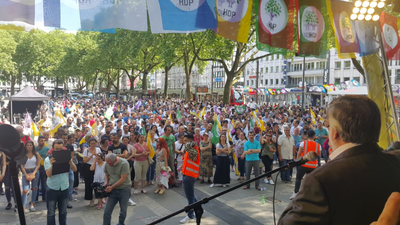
column 100, row 190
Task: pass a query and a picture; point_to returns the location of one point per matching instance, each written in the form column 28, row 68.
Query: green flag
column 312, row 17
column 251, row 122
column 108, row 113
column 240, row 109
column 143, row 131
column 178, row 114
column 214, row 131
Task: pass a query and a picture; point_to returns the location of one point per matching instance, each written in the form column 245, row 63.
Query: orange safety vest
column 310, row 146
column 191, row 168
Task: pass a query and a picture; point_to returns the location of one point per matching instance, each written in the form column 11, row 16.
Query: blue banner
column 366, row 37
column 188, row 15
column 24, row 11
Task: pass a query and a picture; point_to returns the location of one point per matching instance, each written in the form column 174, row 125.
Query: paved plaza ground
column 238, row 207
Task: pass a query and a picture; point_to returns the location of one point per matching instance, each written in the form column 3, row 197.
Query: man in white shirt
column 285, row 148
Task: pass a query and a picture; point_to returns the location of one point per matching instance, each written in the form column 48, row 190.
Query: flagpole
column 304, row 71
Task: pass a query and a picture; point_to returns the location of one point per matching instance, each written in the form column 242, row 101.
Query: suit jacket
column 351, row 189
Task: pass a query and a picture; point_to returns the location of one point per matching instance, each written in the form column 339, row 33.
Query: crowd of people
column 119, row 148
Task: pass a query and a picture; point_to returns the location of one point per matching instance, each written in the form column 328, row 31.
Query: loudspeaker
column 11, row 145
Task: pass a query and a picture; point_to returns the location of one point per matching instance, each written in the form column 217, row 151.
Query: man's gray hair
column 112, row 157
column 286, row 127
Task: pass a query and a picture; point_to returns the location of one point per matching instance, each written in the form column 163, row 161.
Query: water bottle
column 263, row 200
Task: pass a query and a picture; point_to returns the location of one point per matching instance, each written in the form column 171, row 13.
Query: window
column 357, row 79
column 266, row 81
column 247, row 72
column 247, row 82
column 266, row 69
column 261, row 82
column 262, row 70
column 282, row 81
column 277, row 81
column 337, row 80
column 338, row 65
column 277, row 69
column 283, row 68
column 346, row 64
column 397, row 79
column 252, row 82
column 346, row 79
column 272, row 69
column 312, row 66
column 272, row 82
column 319, row 80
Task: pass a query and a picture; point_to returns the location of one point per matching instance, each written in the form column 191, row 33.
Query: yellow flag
column 170, row 117
column 83, row 141
column 218, row 122
column 231, row 27
column 35, row 130
column 149, row 146
column 312, row 116
column 94, row 130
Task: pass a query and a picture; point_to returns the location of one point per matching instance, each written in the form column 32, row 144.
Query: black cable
column 273, row 197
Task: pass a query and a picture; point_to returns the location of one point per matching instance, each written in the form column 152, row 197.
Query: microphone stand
column 17, row 191
column 198, row 204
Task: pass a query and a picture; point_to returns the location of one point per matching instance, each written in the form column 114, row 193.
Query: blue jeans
column 55, row 197
column 42, row 182
column 26, row 185
column 325, row 155
column 188, row 187
column 285, row 175
column 151, row 171
column 117, row 195
column 71, row 183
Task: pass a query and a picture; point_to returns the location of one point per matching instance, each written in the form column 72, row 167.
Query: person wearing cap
column 190, row 170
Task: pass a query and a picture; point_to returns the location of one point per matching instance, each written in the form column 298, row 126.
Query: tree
column 8, row 47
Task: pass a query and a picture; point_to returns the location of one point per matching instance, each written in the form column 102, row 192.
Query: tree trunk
column 188, row 96
column 118, row 83
column 65, row 86
column 166, row 83
column 12, row 81
column 38, row 85
column 227, row 88
column 144, row 81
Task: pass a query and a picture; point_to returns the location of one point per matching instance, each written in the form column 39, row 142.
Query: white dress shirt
column 286, row 144
column 341, row 149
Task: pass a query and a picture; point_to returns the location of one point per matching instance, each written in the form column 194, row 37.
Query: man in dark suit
column 353, row 186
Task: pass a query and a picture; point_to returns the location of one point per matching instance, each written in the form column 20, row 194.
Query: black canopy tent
column 26, row 100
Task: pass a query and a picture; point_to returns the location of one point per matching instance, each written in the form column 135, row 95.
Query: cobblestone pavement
column 238, row 207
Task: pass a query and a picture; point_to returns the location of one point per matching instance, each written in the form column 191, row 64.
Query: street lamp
column 367, row 10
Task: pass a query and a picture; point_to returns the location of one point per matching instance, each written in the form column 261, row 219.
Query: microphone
column 311, row 156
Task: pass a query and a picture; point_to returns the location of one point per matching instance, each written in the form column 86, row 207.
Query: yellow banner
column 234, row 19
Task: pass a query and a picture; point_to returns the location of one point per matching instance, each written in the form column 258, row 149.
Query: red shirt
column 25, row 139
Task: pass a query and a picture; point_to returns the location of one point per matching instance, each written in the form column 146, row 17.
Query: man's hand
column 242, row 157
column 109, row 189
column 390, row 214
column 52, row 161
column 106, row 184
column 280, row 158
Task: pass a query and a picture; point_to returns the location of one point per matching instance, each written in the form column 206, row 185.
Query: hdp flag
column 187, row 15
column 234, row 17
column 109, row 113
column 18, row 11
column 311, row 27
column 178, row 114
column 390, row 35
column 366, row 37
column 149, row 146
column 275, row 25
column 215, row 132
column 156, row 23
column 344, row 28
